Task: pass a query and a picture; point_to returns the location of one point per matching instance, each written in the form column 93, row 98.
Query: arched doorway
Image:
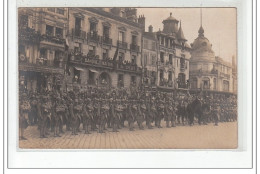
column 104, row 80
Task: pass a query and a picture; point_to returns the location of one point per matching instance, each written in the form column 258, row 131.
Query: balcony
column 43, row 65
column 221, row 74
column 53, row 39
column 93, row 37
column 165, row 83
column 122, row 45
column 106, row 40
column 109, row 63
column 134, row 47
column 27, row 34
column 78, row 34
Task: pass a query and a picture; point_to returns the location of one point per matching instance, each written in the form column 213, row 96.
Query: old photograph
column 127, row 78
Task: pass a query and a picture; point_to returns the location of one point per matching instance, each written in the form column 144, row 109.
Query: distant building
column 207, row 71
column 173, row 56
column 149, row 58
column 41, row 47
column 105, row 47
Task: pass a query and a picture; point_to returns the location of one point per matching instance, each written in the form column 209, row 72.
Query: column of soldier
column 100, row 110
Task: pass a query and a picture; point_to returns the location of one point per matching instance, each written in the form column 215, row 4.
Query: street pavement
column 223, row 136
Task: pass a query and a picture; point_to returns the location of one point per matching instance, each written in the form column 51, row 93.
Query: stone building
column 149, row 58
column 104, row 47
column 41, row 47
column 173, row 56
column 207, row 71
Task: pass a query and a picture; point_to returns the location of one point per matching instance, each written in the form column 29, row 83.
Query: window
column 169, row 76
column 105, row 53
column 92, row 50
column 161, row 74
column 77, row 47
column 206, row 83
column 182, row 61
column 91, row 78
column 145, row 59
column 77, row 26
column 106, row 32
column 170, row 59
column 21, row 49
column 134, row 40
column 121, row 36
column 182, row 80
column 121, row 56
column 153, row 46
column 43, row 53
column 60, row 11
column 225, row 85
column 153, row 78
column 59, row 32
column 133, row 60
column 120, row 80
column 49, row 30
column 194, row 83
column 145, row 44
column 133, row 80
column 153, row 59
column 51, row 9
column 166, row 42
column 215, row 84
column 162, row 41
column 93, row 27
column 76, row 75
column 162, row 57
column 177, row 62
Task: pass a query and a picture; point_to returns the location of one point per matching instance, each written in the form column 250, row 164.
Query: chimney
column 150, row 28
column 141, row 20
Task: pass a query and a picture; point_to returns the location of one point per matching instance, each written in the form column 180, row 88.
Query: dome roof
column 201, row 43
column 170, row 19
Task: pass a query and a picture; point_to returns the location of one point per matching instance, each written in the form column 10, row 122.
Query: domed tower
column 170, row 25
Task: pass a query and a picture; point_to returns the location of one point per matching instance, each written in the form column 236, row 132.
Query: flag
column 115, row 55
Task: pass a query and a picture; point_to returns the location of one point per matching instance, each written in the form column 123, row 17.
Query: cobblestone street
column 180, row 137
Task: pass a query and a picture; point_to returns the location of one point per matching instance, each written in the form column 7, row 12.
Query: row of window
column 149, row 45
column 206, row 84
column 54, row 31
column 57, row 10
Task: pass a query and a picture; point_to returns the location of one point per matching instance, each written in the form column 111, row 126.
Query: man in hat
column 140, row 115
column 23, row 114
column 131, row 116
column 45, row 115
column 114, row 111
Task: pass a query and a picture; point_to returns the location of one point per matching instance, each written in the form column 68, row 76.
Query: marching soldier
column 140, row 115
column 45, row 116
column 23, row 115
column 87, row 112
column 131, row 116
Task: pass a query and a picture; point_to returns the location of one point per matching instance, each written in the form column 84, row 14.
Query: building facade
column 173, row 56
column 207, row 71
column 41, row 47
column 104, row 47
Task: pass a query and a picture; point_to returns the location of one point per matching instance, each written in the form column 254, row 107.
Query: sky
column 219, row 25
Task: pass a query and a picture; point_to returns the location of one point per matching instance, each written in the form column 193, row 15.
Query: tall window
column 170, row 59
column 105, row 53
column 120, row 80
column 162, row 57
column 215, row 84
column 182, row 80
column 162, row 41
column 169, row 76
column 194, row 83
column 133, row 59
column 43, row 53
column 153, row 46
column 92, row 51
column 145, row 59
column 182, row 61
column 225, row 85
column 145, row 44
column 153, row 59
column 93, row 26
column 49, row 30
column 59, row 32
column 76, row 75
column 77, row 47
column 77, row 26
column 206, row 83
column 121, row 36
column 133, row 79
column 134, row 39
column 106, row 32
column 121, row 57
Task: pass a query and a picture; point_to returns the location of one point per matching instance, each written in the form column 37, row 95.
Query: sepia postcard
column 127, row 78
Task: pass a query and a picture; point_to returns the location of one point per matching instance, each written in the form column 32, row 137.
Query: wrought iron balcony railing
column 27, row 34
column 122, row 45
column 93, row 37
column 78, row 34
column 106, row 40
column 53, row 39
column 135, row 47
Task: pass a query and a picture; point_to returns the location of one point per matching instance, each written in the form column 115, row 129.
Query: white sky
column 219, row 25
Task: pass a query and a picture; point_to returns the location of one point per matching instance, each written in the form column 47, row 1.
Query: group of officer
column 98, row 110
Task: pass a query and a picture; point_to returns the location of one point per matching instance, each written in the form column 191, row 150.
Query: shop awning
column 92, row 70
column 79, row 69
